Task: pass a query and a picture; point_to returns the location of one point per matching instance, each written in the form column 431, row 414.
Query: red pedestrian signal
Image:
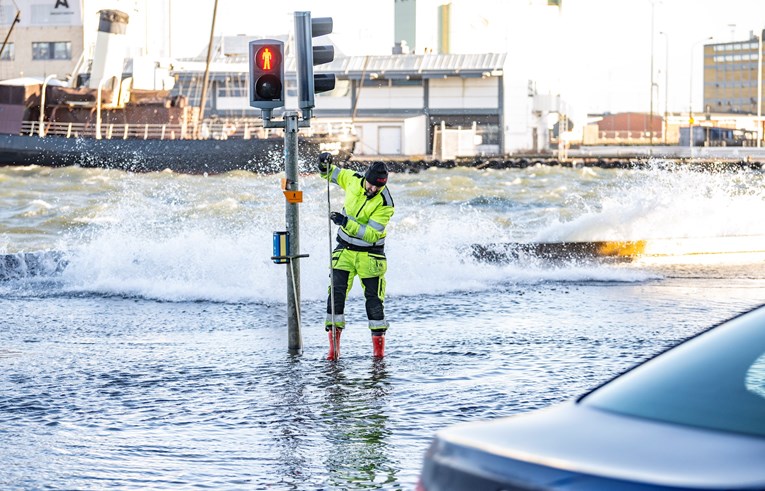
column 265, row 57
column 266, row 74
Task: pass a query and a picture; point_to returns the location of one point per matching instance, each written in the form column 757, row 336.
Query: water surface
column 158, row 357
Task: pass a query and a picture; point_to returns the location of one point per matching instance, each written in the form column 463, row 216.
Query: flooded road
column 158, row 357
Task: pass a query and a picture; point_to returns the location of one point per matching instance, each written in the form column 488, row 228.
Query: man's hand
column 325, row 160
column 338, row 218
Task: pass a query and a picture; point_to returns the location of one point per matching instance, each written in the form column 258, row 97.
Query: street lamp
column 690, row 104
column 650, row 119
column 759, row 89
column 666, row 83
column 42, row 104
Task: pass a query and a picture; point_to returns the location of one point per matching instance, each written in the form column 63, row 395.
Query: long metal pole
column 16, row 20
column 666, row 85
column 203, row 100
column 650, row 119
column 690, row 103
column 690, row 106
column 331, row 273
column 169, row 28
column 759, row 90
column 295, row 340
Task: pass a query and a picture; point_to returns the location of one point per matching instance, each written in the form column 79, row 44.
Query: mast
column 16, row 20
column 203, row 99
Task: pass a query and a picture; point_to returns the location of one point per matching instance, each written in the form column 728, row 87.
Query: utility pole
column 759, row 89
column 666, row 85
column 650, row 118
column 690, row 99
column 267, row 82
column 206, row 81
column 294, row 338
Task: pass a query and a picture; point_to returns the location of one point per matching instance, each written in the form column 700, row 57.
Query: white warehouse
column 446, row 105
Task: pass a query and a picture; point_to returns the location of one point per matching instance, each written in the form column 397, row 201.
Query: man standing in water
column 368, row 207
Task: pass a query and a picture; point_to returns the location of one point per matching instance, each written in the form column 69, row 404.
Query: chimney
column 405, row 23
column 400, row 48
column 109, row 57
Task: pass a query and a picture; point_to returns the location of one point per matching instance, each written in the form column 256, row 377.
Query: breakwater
column 415, row 165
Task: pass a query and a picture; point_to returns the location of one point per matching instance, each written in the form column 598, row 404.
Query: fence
column 213, row 129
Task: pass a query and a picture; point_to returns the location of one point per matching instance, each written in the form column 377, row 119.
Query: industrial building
column 401, row 104
column 426, row 97
column 421, row 99
column 733, row 76
column 46, row 38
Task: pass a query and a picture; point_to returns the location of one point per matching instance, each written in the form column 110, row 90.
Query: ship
column 110, row 116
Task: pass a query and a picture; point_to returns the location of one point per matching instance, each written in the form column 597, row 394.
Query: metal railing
column 111, row 131
column 210, row 129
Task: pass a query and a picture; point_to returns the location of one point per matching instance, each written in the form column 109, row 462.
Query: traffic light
column 266, row 74
column 308, row 56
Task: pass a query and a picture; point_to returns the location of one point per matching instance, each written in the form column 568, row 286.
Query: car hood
column 577, row 438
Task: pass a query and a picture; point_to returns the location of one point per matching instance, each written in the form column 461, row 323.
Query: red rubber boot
column 334, row 347
column 378, row 345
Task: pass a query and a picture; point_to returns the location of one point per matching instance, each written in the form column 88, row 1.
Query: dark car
column 692, row 417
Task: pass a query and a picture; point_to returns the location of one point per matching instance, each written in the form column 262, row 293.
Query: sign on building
column 41, row 13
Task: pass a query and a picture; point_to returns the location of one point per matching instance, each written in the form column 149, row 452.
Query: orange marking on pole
column 293, row 196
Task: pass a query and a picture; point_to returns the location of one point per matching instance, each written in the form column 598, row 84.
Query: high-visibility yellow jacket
column 367, row 217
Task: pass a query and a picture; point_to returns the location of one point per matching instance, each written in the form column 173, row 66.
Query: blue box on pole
column 281, row 247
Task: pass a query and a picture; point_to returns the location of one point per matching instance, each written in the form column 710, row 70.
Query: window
column 8, row 53
column 233, row 91
column 62, row 51
column 56, row 50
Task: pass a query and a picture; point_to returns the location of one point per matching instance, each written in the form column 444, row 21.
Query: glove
column 338, row 218
column 325, row 160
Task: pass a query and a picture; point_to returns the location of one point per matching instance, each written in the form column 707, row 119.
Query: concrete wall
column 408, row 97
column 519, row 118
column 464, row 93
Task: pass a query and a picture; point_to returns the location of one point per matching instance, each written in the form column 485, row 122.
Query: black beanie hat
column 377, row 174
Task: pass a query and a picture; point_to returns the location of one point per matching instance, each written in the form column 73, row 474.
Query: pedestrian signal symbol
column 266, row 58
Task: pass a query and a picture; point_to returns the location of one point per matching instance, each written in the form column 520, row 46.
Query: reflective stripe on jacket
column 367, row 217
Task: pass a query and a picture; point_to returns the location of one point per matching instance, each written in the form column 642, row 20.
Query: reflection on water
column 355, row 414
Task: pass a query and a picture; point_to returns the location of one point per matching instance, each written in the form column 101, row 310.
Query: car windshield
column 715, row 380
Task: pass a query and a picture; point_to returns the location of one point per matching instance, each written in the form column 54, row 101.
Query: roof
column 387, row 66
column 426, row 66
column 233, row 46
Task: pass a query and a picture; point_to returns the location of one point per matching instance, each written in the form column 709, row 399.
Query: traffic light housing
column 308, row 55
column 266, row 74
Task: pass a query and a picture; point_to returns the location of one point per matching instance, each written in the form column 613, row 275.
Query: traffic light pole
column 291, row 125
column 267, row 93
column 295, row 339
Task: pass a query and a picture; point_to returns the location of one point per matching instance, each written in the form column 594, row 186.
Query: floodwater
column 157, row 359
